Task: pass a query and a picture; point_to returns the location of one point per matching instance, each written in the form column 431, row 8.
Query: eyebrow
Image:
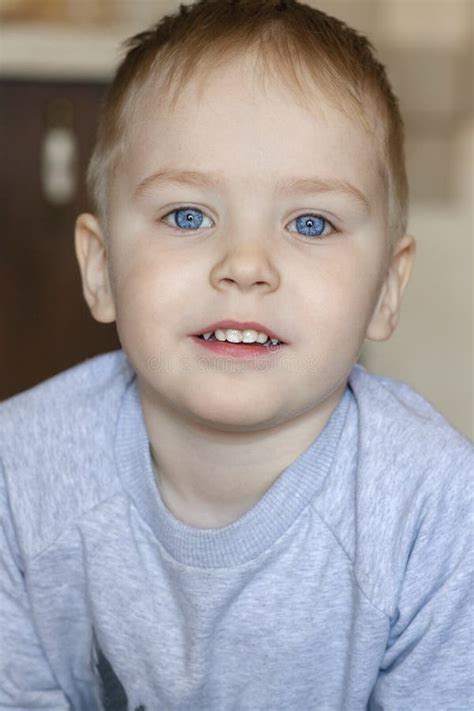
column 304, row 186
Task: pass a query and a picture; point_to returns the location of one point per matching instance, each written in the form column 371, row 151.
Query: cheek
column 144, row 314
column 339, row 295
column 145, row 295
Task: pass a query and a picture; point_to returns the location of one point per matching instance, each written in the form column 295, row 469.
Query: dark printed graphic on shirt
column 113, row 695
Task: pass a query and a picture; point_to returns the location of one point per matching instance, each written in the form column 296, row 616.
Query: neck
column 219, row 475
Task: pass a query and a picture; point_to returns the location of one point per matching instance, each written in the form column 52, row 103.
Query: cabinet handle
column 58, row 171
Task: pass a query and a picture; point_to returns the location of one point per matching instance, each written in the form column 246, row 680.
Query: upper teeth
column 235, row 336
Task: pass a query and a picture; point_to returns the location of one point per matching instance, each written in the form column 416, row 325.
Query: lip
column 241, row 326
column 237, row 350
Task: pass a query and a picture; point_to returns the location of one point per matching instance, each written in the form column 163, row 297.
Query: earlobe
column 91, row 253
column 387, row 311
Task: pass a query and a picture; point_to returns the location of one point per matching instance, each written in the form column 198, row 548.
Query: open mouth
column 238, row 339
column 213, row 345
column 270, row 342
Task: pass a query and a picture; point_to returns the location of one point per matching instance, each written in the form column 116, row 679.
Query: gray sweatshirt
column 347, row 586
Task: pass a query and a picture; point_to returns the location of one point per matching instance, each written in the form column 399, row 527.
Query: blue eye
column 187, row 218
column 191, row 218
column 312, row 225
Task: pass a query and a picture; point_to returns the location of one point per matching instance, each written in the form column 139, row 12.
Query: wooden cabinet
column 47, row 131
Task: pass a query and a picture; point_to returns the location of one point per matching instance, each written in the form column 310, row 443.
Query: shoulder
column 413, row 481
column 56, row 444
column 398, row 424
column 65, row 406
column 80, row 382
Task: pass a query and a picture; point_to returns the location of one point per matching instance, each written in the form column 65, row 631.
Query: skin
column 221, row 436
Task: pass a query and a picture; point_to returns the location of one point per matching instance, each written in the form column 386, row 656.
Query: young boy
column 198, row 523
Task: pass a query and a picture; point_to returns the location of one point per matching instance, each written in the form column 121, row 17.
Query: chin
column 228, row 419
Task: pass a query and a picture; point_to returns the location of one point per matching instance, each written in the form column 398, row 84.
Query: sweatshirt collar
column 252, row 533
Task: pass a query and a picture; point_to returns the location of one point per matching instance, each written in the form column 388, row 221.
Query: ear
column 91, row 253
column 387, row 311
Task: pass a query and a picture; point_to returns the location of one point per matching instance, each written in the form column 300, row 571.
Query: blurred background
column 56, row 58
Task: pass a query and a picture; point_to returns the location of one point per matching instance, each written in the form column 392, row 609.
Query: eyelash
column 311, row 238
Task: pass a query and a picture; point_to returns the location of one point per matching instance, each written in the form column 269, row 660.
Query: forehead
column 251, row 126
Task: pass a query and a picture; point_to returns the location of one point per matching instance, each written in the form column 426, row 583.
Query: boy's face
column 251, row 259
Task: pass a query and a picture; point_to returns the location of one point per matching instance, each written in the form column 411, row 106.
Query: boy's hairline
column 171, row 83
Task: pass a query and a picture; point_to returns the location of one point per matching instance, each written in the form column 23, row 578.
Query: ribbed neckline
column 255, row 530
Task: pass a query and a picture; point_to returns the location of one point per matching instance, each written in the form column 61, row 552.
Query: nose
column 245, row 266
